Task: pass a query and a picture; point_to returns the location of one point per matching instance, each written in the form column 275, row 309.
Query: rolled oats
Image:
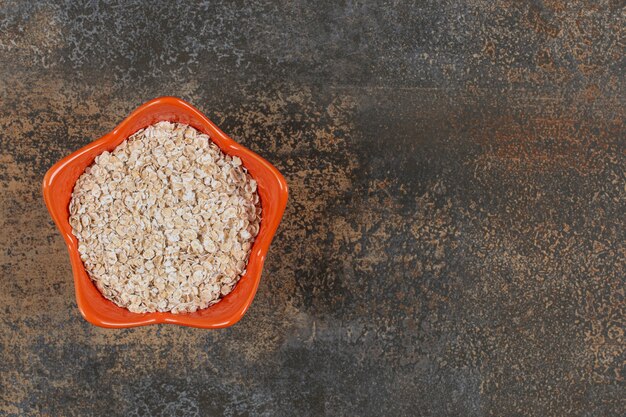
column 166, row 221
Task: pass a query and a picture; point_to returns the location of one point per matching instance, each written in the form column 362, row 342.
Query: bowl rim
column 229, row 146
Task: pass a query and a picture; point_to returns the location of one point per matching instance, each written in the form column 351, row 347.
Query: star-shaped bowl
column 272, row 187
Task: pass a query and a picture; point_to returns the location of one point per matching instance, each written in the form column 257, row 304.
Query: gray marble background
column 454, row 239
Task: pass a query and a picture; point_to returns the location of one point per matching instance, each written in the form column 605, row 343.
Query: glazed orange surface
column 272, row 188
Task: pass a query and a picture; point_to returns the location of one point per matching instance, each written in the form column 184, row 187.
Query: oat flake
column 166, row 221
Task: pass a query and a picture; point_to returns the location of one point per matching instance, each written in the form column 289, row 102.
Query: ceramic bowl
column 272, row 187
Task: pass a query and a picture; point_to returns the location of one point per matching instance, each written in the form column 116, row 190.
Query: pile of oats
column 166, row 221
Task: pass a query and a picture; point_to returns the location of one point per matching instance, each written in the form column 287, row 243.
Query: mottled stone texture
column 454, row 243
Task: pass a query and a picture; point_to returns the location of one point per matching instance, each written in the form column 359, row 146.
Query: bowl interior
column 59, row 183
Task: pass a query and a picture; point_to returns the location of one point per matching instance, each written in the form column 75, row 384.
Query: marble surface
column 454, row 242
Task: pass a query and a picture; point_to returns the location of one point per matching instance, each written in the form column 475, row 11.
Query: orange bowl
column 272, row 187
